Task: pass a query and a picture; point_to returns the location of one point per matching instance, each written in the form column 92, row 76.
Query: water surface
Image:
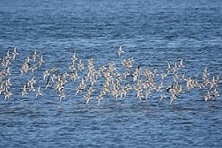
column 153, row 33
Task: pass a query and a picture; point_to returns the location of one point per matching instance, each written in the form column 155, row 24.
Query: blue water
column 152, row 32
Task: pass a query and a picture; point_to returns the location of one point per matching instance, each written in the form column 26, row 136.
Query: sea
column 151, row 33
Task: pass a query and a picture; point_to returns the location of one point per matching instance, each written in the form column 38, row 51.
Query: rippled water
column 152, row 32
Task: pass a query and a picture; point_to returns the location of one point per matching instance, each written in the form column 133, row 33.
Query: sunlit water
column 153, row 33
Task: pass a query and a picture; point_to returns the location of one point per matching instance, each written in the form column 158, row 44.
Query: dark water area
column 154, row 33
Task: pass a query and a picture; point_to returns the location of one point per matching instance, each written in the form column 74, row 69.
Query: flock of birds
column 105, row 81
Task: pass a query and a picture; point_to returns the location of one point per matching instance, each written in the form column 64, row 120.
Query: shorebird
column 72, row 67
column 61, row 95
column 73, row 76
column 87, row 98
column 59, row 86
column 6, row 61
column 128, row 63
column 25, row 68
column 32, row 80
column 215, row 93
column 74, row 58
column 183, row 78
column 120, row 50
column 80, row 66
column 136, row 73
column 163, row 75
column 207, row 96
column 81, row 86
column 162, row 96
column 41, row 61
column 15, row 53
column 159, row 87
column 172, row 97
column 181, row 63
column 168, row 68
column 34, row 55
column 38, row 92
column 154, row 73
column 53, row 70
column 189, row 84
column 213, row 83
column 7, row 93
column 24, row 91
column 27, row 60
column 47, row 82
column 1, row 75
column 205, row 75
column 140, row 95
column 31, row 83
column 102, row 69
column 111, row 67
column 147, row 93
column 100, row 97
column 175, row 68
column 2, row 88
column 46, row 73
column 32, row 68
column 7, row 83
column 7, row 71
column 126, row 73
column 175, row 77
